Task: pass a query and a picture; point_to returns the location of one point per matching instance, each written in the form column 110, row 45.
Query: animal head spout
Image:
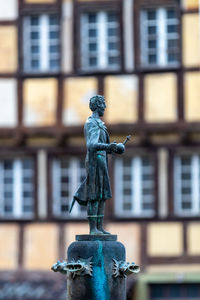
column 123, row 269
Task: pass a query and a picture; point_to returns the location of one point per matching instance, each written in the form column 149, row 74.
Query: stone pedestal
column 103, row 283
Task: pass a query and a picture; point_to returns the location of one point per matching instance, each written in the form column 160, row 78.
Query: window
column 134, row 186
column 100, row 42
column 41, row 43
column 67, row 174
column 175, row 291
column 187, row 185
column 159, row 37
column 16, row 188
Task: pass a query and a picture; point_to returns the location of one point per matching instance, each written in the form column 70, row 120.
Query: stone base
column 101, row 285
column 96, row 237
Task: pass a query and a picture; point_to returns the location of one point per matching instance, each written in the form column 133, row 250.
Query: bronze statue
column 95, row 189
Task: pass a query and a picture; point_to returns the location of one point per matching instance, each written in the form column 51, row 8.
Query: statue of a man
column 95, row 189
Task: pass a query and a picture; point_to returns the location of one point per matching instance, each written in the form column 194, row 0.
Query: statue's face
column 101, row 107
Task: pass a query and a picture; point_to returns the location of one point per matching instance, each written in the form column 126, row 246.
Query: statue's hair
column 94, row 101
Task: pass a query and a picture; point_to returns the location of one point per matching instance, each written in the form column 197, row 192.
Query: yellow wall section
column 193, row 235
column 192, row 96
column 121, row 98
column 9, row 246
column 8, row 49
column 72, row 229
column 129, row 235
column 40, row 99
column 173, row 267
column 190, row 4
column 160, row 98
column 164, row 239
column 191, row 40
column 40, row 246
column 40, row 1
column 77, row 92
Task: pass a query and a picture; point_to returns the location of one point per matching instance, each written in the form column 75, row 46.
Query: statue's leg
column 92, row 209
column 100, row 215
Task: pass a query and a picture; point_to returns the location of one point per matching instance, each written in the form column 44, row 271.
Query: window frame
column 156, row 4
column 22, row 47
column 85, row 7
column 195, row 184
column 75, row 214
column 18, row 157
column 120, row 213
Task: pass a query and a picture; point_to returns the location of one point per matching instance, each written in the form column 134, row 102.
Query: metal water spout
column 123, row 269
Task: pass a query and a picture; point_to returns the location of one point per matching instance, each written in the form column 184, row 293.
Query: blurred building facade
column 144, row 56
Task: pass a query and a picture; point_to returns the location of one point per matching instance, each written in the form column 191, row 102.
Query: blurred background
column 144, row 56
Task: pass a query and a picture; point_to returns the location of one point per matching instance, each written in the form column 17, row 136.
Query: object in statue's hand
column 113, row 147
column 120, row 148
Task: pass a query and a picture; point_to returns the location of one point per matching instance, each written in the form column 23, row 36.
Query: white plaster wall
column 67, row 36
column 8, row 9
column 8, row 102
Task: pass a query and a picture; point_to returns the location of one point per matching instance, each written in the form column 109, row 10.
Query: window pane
column 53, row 34
column 171, row 14
column 172, row 57
column 8, row 165
column 112, row 17
column 53, row 20
column 172, row 43
column 92, row 32
column 172, row 28
column 152, row 43
column 34, row 49
column 112, row 46
column 93, row 61
column 34, row 35
column 53, row 48
column 54, row 63
column 152, row 58
column 113, row 60
column 152, row 30
column 8, row 209
column 151, row 15
column 35, row 63
column 92, row 18
column 127, row 206
column 34, row 20
column 112, row 31
column 92, row 47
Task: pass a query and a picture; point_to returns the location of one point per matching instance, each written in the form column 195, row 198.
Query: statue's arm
column 92, row 132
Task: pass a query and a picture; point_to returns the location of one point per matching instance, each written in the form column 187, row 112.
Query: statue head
column 97, row 103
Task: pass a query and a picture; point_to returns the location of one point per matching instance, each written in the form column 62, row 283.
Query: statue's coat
column 96, row 185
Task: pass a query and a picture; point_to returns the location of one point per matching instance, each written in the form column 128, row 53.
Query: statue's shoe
column 96, row 232
column 103, row 231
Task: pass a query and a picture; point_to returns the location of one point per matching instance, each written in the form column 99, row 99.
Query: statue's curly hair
column 94, row 101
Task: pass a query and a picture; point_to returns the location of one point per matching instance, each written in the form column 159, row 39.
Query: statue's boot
column 100, row 224
column 93, row 225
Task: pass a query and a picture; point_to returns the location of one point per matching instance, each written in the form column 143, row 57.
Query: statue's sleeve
column 92, row 132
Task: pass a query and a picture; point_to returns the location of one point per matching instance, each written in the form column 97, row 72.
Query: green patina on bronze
column 95, row 189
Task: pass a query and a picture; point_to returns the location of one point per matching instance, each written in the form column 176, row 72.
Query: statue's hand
column 120, row 148
column 112, row 147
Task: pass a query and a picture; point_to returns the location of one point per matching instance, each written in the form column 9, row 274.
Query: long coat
column 96, row 185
